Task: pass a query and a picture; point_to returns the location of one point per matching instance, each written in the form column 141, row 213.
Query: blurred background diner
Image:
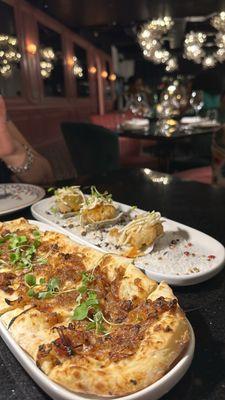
column 111, row 84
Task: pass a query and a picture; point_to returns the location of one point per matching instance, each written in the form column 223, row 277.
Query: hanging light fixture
column 9, row 55
column 220, row 55
column 218, row 21
column 193, row 46
column 156, row 28
column 47, row 56
column 77, row 69
column 209, row 61
column 150, row 39
column 172, row 64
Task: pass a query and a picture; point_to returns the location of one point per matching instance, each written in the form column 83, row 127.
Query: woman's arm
column 16, row 152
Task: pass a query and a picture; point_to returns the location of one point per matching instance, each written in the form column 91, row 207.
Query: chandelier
column 77, row 69
column 194, row 48
column 9, row 55
column 171, row 64
column 156, row 27
column 47, row 56
column 218, row 21
column 150, row 39
column 209, row 61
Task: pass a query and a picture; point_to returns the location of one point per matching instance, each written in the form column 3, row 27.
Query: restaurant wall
column 36, row 111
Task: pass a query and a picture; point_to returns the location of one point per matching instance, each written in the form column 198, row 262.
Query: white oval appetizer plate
column 194, row 258
column 57, row 392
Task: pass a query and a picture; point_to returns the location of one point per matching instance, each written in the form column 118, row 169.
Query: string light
column 9, row 54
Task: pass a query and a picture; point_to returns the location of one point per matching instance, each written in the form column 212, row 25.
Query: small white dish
column 57, row 392
column 16, row 196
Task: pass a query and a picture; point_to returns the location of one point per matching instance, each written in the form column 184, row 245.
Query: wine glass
column 196, row 101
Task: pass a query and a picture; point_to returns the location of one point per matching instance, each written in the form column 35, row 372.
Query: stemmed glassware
column 196, row 101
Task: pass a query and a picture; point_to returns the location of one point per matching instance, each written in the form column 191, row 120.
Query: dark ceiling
column 106, row 22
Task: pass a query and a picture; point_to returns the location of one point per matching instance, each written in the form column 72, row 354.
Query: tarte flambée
column 92, row 322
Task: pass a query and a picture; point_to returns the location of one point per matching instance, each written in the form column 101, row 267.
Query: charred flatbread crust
column 145, row 331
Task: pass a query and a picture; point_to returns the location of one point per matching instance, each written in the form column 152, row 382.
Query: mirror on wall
column 10, row 57
column 82, row 78
column 51, row 62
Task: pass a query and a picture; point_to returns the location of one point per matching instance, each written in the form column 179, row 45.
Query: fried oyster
column 69, row 199
column 140, row 233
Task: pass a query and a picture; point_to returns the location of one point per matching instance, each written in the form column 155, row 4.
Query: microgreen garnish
column 86, row 278
column 88, row 300
column 21, row 252
column 53, row 210
column 51, row 190
column 81, row 311
column 51, row 287
column 96, row 195
column 97, row 323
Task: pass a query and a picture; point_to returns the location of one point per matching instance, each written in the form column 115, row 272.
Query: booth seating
column 202, row 174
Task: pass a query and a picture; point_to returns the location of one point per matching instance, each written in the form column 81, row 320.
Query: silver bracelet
column 27, row 163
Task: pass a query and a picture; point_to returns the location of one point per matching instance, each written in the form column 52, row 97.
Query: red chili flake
column 186, row 253
column 211, row 257
column 190, row 244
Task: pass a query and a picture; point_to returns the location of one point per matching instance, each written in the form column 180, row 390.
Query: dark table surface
column 153, row 133
column 198, row 205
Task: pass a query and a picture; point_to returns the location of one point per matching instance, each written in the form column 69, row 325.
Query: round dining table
column 200, row 206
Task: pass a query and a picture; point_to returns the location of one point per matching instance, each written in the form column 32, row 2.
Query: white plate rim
column 29, row 203
column 57, row 392
column 180, row 280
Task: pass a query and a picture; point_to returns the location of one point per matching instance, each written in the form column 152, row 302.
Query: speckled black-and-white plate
column 16, row 196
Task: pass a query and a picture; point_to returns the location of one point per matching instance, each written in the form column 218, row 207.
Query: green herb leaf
column 53, row 285
column 80, row 312
column 53, row 210
column 90, row 326
column 42, row 281
column 42, row 261
column 14, row 257
column 31, row 293
column 36, row 234
column 44, row 295
column 51, row 190
column 92, row 299
column 30, row 280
